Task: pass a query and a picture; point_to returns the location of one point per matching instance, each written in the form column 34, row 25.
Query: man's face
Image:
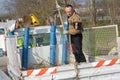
column 68, row 11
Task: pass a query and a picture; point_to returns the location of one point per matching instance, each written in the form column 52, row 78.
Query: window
column 2, row 31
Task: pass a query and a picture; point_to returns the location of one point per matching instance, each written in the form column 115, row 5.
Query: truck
column 38, row 61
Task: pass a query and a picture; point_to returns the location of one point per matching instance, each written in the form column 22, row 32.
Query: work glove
column 65, row 32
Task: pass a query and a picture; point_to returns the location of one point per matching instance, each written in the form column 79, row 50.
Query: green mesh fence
column 99, row 40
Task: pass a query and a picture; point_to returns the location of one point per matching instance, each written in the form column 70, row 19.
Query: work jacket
column 74, row 24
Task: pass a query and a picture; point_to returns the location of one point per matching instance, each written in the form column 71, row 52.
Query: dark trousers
column 76, row 41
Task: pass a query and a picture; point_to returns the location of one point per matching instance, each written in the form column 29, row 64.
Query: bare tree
column 109, row 8
column 113, row 11
column 92, row 10
column 41, row 8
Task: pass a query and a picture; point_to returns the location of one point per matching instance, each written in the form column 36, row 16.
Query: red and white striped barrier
column 39, row 72
column 53, row 70
column 105, row 63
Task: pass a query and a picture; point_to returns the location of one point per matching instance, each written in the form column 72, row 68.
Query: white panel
column 38, row 54
column 2, row 42
column 14, row 64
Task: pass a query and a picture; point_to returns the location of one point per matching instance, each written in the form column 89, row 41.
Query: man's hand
column 65, row 32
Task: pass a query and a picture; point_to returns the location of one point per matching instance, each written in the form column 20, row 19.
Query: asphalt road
column 3, row 63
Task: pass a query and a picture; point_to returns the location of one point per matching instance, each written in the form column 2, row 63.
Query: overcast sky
column 80, row 1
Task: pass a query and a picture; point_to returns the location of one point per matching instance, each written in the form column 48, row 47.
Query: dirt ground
column 3, row 63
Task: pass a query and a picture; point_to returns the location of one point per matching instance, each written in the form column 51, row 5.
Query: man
column 75, row 31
